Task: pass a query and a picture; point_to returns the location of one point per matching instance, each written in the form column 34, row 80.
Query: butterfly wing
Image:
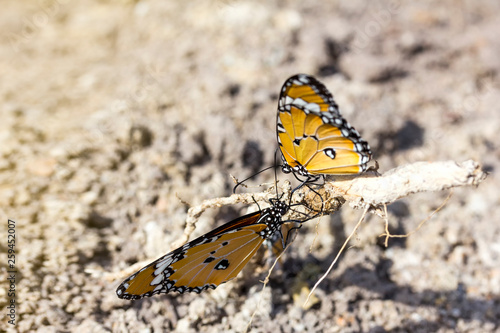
column 312, row 135
column 207, row 261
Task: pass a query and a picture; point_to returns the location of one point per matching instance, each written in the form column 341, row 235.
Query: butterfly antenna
column 276, row 173
column 255, row 174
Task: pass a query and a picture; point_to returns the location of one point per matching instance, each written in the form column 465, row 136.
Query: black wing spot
column 330, row 152
column 222, row 265
column 225, row 243
column 297, row 142
column 209, row 259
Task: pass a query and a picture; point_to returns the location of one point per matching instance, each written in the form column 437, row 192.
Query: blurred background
column 112, row 112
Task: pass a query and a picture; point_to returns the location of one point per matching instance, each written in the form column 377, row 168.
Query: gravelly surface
column 113, row 110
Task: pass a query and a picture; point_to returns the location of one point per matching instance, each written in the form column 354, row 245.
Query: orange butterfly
column 313, row 137
column 209, row 260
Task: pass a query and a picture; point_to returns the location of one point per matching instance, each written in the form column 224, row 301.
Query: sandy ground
column 114, row 111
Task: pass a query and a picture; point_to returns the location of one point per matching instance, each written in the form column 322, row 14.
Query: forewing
column 205, row 262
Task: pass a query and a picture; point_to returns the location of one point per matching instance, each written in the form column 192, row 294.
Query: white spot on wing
column 299, row 101
column 162, row 266
column 308, row 106
column 157, row 280
column 313, row 107
column 288, row 100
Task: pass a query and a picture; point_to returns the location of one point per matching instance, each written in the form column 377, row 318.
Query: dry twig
column 363, row 192
column 367, row 191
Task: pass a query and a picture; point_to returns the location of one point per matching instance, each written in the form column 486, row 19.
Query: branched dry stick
column 364, row 192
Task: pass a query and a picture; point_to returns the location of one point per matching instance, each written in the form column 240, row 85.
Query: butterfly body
column 313, row 137
column 209, row 260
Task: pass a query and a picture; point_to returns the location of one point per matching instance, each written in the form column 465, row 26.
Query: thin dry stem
column 388, row 234
column 336, row 257
column 264, row 284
